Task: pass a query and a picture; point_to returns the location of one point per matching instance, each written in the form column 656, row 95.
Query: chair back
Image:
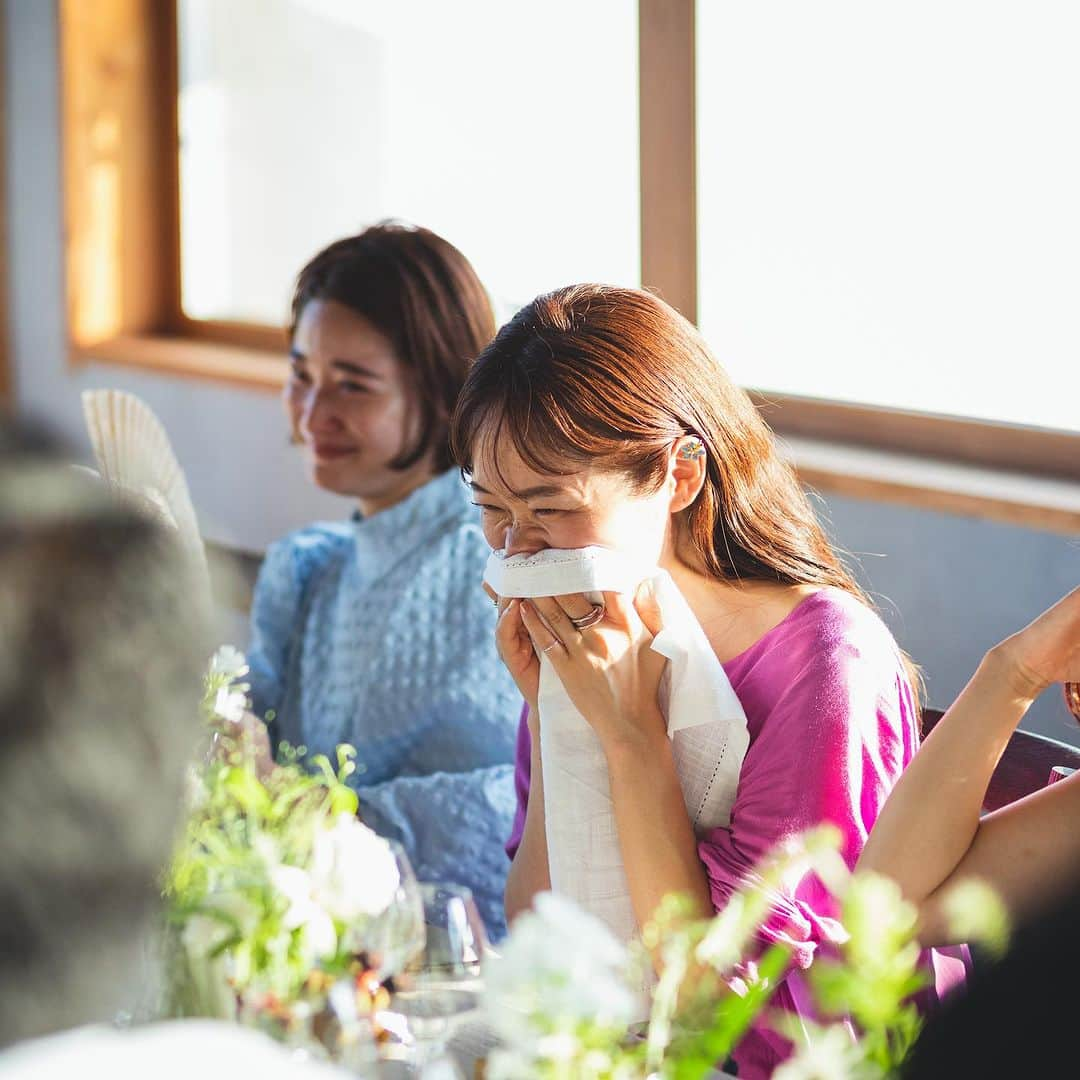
column 1029, row 763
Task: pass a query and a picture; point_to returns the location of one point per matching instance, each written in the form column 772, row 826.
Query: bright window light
column 889, row 202
column 509, row 128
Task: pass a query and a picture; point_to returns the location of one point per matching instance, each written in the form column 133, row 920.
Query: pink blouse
column 832, row 721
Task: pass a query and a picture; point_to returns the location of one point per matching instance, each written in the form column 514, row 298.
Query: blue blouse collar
column 392, row 534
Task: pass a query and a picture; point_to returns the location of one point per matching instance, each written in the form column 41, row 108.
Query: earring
column 693, row 450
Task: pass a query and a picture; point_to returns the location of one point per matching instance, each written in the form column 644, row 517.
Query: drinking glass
column 388, row 941
column 392, row 939
column 1072, row 698
column 440, row 986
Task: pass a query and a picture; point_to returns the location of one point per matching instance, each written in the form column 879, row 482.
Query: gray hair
column 99, row 690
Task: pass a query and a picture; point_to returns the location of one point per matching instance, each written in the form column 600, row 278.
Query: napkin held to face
column 705, row 722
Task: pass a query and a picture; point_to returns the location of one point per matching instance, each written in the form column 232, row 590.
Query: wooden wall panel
column 668, row 163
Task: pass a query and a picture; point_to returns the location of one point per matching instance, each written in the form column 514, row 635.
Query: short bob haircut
column 424, row 296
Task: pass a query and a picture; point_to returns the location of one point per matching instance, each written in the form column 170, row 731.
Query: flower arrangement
column 280, row 900
column 570, row 1011
column 276, row 885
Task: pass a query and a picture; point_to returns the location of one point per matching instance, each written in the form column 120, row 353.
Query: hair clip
column 693, row 450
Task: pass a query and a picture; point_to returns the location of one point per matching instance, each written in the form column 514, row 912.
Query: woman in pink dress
column 598, row 416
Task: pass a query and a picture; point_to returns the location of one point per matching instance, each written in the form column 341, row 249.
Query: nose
column 521, row 541
column 317, row 414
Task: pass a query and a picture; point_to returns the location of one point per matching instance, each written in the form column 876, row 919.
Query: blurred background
column 870, row 210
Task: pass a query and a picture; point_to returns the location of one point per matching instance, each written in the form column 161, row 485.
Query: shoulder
column 298, row 554
column 831, row 656
column 834, row 626
column 292, row 562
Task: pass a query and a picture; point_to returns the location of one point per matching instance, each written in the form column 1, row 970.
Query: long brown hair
column 423, row 294
column 610, row 377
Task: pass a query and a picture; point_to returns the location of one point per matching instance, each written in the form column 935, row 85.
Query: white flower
column 505, row 1064
column 229, row 662
column 202, row 934
column 726, row 940
column 830, row 1054
column 353, row 870
column 320, row 935
column 560, row 967
column 878, row 919
column 223, row 915
column 974, row 912
column 230, row 704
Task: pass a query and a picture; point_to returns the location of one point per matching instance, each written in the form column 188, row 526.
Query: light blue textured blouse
column 377, row 633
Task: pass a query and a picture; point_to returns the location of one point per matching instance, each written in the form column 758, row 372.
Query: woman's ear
column 689, row 461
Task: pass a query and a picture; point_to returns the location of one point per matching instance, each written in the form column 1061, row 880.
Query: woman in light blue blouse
column 375, row 631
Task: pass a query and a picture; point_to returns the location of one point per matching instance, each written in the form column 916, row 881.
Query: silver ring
column 548, row 648
column 590, row 618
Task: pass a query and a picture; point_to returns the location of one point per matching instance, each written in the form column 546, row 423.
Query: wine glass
column 388, row 942
column 391, row 939
column 440, row 986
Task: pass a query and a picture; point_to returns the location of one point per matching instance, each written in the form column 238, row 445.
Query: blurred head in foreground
column 99, row 685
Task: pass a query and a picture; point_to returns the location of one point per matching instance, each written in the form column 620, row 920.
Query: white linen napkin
column 705, row 721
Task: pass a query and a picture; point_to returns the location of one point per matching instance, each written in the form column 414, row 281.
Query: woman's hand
column 516, row 649
column 1045, row 651
column 609, row 670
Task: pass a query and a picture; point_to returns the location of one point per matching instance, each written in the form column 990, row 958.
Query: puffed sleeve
column 275, row 611
column 831, row 746
column 431, row 816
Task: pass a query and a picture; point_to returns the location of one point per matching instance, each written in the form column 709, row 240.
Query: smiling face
column 348, row 401
column 525, row 511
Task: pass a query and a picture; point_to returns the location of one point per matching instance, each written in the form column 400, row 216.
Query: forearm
column 656, row 839
column 529, row 873
column 1025, row 851
column 931, row 817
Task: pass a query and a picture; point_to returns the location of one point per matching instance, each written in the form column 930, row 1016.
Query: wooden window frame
column 120, row 137
column 121, row 60
column 6, row 387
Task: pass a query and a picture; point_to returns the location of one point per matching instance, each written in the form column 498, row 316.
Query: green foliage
column 717, row 976
column 229, row 918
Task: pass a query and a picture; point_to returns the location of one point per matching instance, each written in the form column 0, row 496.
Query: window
column 868, row 208
column 887, row 203
column 511, row 129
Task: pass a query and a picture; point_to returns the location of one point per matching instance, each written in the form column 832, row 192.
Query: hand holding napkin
column 705, row 721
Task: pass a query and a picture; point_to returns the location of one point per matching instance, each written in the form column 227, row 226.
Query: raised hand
column 1047, row 650
column 608, row 669
column 516, row 649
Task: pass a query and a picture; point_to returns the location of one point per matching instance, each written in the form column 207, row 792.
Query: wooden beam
column 119, row 144
column 6, row 381
column 668, row 159
column 1014, row 447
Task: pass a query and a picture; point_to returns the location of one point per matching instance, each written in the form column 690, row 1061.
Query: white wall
column 959, row 583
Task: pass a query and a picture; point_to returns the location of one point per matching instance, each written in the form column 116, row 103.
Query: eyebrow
column 528, row 493
column 347, row 366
